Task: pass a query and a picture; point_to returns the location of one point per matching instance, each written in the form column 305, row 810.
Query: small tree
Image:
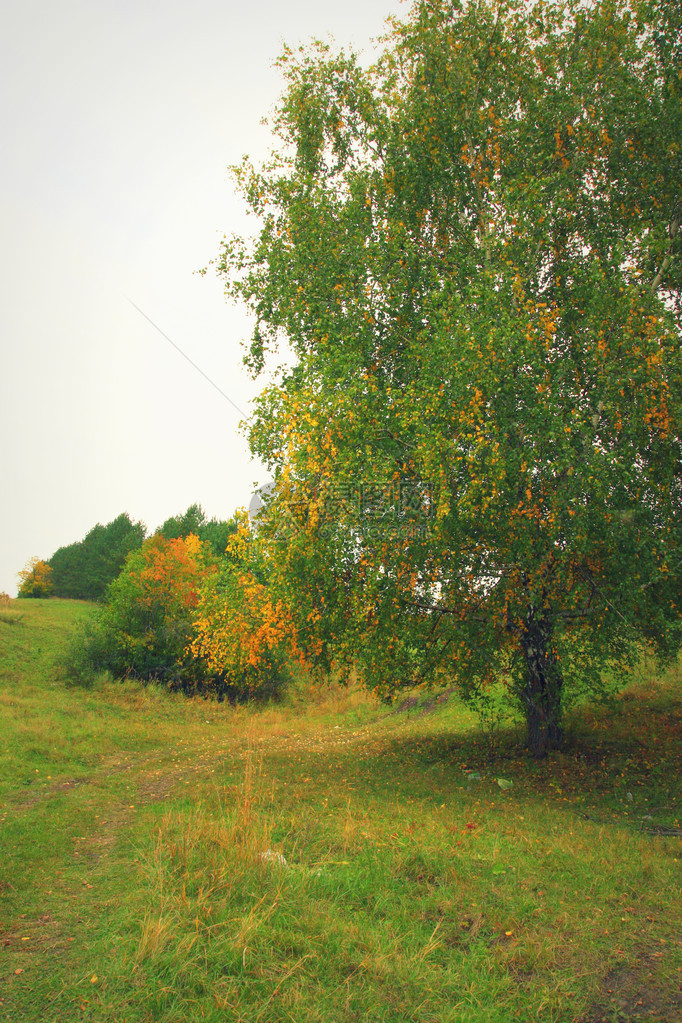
column 35, row 579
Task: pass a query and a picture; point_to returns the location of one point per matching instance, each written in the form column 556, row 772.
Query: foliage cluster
column 83, row 570
column 473, row 248
column 154, row 594
column 179, row 615
column 144, row 624
column 35, row 578
column 240, row 623
column 214, row 532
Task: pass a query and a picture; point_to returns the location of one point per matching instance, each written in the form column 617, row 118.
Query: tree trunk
column 541, row 694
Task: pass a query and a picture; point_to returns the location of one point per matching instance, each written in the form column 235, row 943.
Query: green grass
column 415, row 888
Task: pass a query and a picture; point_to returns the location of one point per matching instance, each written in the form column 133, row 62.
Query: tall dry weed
column 205, row 861
column 7, row 612
column 222, row 841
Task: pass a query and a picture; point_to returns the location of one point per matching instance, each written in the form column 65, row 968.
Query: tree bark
column 541, row 694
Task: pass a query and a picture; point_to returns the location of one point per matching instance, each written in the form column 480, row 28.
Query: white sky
column 118, row 120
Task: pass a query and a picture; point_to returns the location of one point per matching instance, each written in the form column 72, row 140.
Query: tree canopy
column 472, row 248
column 215, row 532
column 84, row 569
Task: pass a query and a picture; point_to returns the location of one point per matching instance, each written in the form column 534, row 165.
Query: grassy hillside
column 331, row 860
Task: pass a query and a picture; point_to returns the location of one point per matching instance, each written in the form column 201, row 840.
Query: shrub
column 144, row 625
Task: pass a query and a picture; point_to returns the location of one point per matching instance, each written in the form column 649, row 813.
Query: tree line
column 84, row 569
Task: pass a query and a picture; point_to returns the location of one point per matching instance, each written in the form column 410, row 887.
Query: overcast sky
column 118, row 122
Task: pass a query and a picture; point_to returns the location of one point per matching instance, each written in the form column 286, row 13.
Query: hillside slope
column 327, row 860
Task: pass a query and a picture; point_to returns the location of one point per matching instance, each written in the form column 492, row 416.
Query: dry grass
column 8, row 614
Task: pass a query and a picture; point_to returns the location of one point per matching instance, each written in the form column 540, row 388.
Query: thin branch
column 673, row 231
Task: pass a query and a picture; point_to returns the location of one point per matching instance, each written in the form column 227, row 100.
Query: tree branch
column 673, row 231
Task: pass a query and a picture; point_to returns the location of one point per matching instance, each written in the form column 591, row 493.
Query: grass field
column 328, row 860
